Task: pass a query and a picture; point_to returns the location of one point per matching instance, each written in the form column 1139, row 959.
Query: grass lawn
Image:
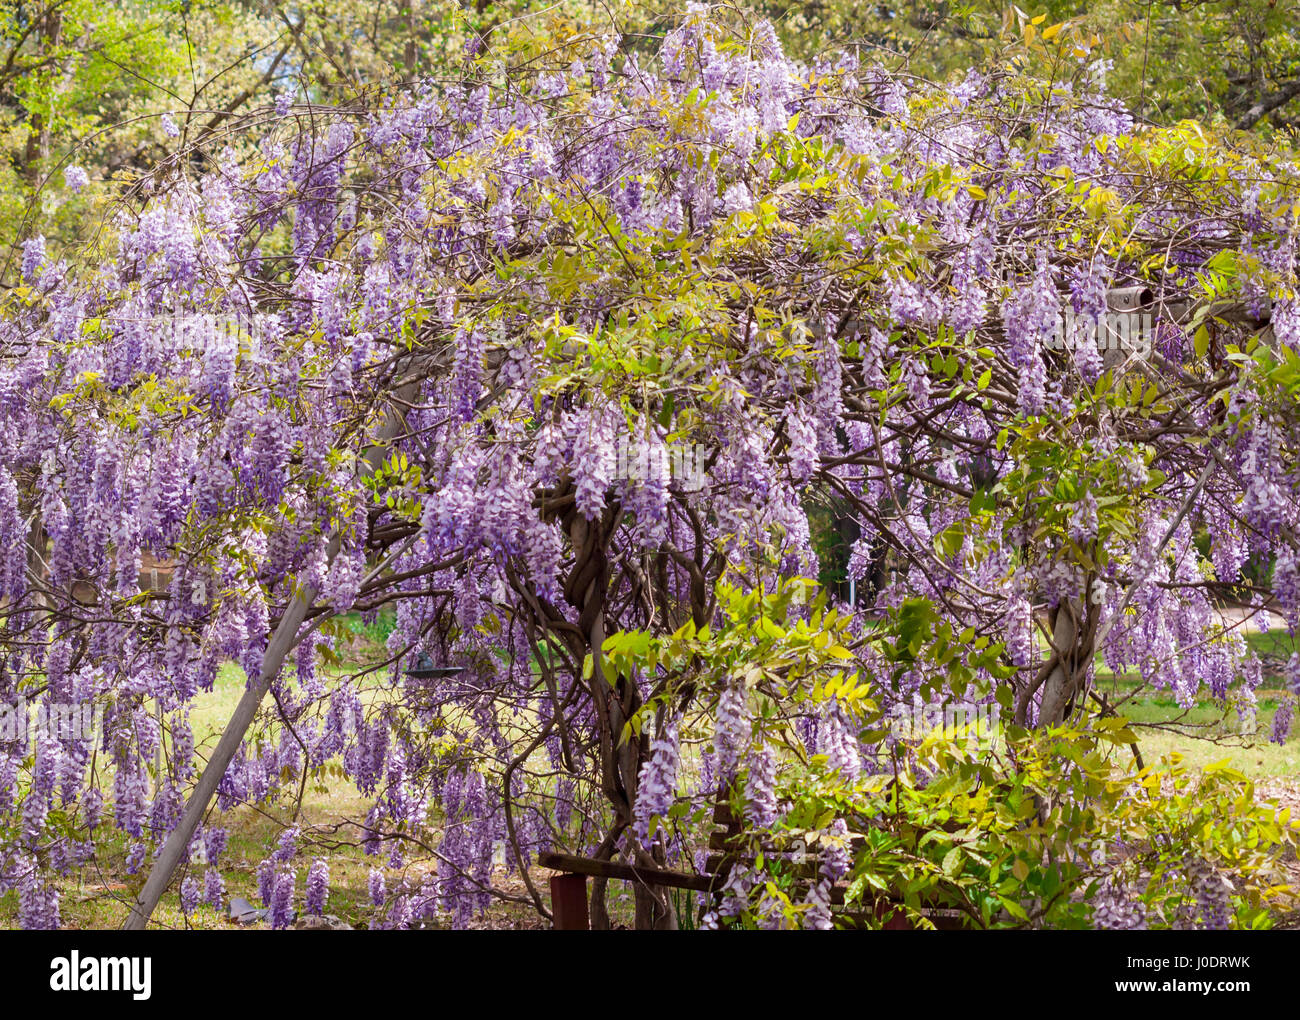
column 1210, row 732
column 97, row 896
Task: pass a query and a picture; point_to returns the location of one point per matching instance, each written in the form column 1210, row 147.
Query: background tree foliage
column 86, row 84
column 1234, row 60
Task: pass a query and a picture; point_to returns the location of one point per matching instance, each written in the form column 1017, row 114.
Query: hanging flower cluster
column 536, row 365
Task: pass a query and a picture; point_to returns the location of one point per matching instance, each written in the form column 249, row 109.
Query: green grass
column 97, row 896
column 1210, row 732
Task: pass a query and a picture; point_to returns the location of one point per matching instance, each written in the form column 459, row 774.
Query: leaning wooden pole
column 160, row 875
column 282, row 642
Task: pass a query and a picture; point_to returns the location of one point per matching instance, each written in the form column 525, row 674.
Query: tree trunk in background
column 1073, row 630
column 38, row 133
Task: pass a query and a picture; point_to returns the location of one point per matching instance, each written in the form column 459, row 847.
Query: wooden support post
column 569, row 902
column 280, row 644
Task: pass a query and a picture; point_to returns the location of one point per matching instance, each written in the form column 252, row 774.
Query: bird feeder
column 424, row 669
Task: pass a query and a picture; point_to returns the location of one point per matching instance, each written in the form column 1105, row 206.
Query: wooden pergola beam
column 573, row 865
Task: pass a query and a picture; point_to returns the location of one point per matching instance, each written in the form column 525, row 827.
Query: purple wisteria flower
column 657, row 786
column 76, row 178
column 318, row 880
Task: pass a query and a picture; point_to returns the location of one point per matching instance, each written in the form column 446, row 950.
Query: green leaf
column 1014, row 908
column 1201, row 342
